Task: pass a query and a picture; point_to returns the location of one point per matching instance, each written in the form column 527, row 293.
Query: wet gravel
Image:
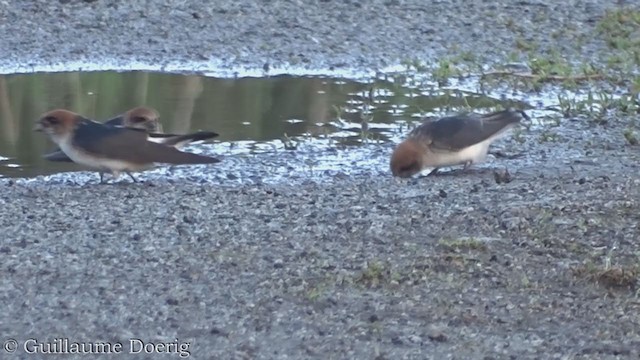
column 355, row 265
column 286, row 33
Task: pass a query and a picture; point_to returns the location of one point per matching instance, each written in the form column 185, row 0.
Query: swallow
column 147, row 119
column 144, row 118
column 462, row 139
column 140, row 117
column 107, row 148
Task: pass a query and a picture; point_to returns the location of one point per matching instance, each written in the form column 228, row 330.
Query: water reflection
column 248, row 112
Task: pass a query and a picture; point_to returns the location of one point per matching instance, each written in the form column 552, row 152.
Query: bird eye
column 52, row 120
column 410, row 167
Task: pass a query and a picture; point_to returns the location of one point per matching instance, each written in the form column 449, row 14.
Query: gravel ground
column 356, row 267
column 311, row 34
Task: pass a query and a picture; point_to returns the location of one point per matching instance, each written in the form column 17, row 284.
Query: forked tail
column 181, row 140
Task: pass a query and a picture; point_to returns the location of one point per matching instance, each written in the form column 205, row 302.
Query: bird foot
column 102, row 178
column 115, row 176
column 454, row 172
column 433, row 172
column 132, row 178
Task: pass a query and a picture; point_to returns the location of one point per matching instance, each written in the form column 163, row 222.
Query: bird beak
column 38, row 127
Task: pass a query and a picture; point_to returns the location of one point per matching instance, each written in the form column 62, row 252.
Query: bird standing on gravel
column 140, row 117
column 452, row 140
column 116, row 149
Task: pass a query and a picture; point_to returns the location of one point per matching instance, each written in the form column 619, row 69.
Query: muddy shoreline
column 355, row 266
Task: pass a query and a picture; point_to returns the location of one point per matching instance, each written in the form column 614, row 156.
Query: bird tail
column 160, row 153
column 191, row 158
column 179, row 141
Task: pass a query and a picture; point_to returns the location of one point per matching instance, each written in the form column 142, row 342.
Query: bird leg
column 131, row 176
column 101, row 177
column 467, row 165
column 433, row 172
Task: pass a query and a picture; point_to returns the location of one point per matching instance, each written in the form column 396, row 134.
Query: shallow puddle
column 251, row 114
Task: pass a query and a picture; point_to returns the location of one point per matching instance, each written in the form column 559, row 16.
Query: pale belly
column 99, row 163
column 474, row 154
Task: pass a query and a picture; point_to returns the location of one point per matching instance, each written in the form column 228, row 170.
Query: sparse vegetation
column 631, row 137
column 374, row 274
column 611, row 89
column 548, row 136
column 612, row 277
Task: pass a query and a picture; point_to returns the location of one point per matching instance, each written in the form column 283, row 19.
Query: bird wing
column 116, row 121
column 130, row 145
column 453, row 133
